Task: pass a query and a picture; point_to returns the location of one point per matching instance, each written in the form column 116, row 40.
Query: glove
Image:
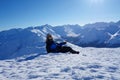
column 64, row 42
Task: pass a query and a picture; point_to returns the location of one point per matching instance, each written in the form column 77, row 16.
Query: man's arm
column 62, row 43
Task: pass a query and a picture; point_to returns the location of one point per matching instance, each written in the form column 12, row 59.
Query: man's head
column 49, row 36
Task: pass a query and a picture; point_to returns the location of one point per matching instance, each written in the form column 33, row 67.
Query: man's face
column 50, row 37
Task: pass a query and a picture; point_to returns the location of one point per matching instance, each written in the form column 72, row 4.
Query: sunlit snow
column 90, row 64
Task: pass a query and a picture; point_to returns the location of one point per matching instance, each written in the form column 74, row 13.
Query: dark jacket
column 52, row 46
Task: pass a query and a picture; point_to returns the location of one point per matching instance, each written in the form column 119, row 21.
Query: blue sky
column 25, row 13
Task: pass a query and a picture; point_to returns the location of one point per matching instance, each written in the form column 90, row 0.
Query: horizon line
column 81, row 25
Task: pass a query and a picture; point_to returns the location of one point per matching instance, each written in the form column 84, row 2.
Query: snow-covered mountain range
column 17, row 42
column 99, row 34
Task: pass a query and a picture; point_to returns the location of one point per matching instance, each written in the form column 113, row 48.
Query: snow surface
column 90, row 64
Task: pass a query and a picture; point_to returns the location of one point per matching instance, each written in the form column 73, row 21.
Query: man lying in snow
column 53, row 47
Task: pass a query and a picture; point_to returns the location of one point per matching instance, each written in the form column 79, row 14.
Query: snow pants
column 65, row 49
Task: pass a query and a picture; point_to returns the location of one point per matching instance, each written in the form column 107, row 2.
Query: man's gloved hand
column 64, row 42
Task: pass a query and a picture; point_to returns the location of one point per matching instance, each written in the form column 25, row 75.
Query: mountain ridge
column 17, row 42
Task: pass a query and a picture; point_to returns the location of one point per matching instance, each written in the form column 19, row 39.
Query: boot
column 74, row 52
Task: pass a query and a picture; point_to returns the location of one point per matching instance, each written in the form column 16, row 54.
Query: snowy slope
column 90, row 64
column 68, row 30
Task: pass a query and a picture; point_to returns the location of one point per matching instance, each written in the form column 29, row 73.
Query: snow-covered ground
column 90, row 64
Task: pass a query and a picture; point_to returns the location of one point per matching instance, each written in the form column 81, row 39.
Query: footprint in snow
column 96, row 66
column 112, row 69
